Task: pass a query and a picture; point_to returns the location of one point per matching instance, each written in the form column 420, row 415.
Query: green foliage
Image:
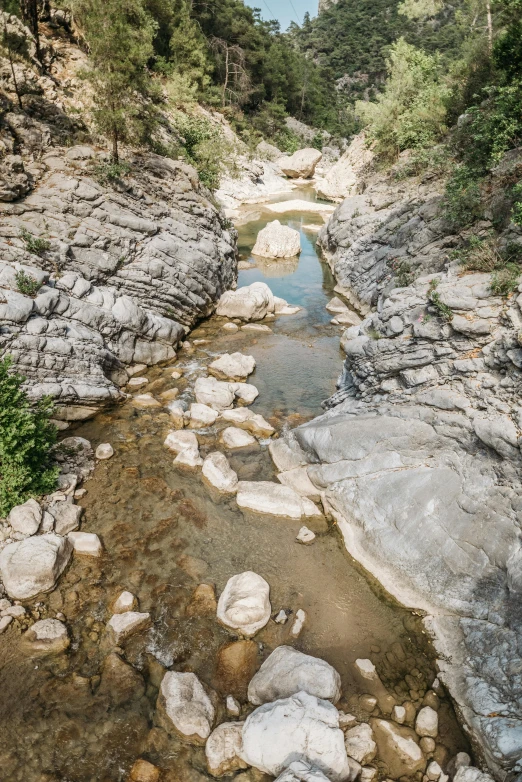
column 26, row 442
column 462, row 199
column 505, row 281
column 204, row 147
column 120, row 38
column 516, row 214
column 443, row 310
column 26, row 283
column 110, row 172
column 403, row 272
column 34, row 244
column 484, row 254
column 410, row 112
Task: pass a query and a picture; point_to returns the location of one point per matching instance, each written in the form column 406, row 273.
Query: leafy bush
column 516, row 214
column 485, row 255
column 410, row 112
column 109, row 172
column 505, row 281
column 462, row 199
column 34, row 244
column 26, row 283
column 434, row 298
column 403, row 273
column 205, row 147
column 26, row 443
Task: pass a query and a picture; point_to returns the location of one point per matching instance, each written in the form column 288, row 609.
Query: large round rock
column 301, row 728
column 244, row 604
column 287, row 672
column 277, row 241
column 31, row 566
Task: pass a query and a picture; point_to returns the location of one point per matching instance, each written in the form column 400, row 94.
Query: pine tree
column 120, row 39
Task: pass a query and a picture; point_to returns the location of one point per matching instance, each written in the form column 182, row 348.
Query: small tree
column 119, row 36
column 27, row 438
column 29, row 10
column 235, row 79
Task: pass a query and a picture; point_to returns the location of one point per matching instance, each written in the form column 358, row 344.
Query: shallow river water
column 78, row 716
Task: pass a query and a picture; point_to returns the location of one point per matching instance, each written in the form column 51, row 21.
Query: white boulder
column 176, row 412
column 300, row 728
column 33, row 565
column 26, row 518
column 301, row 164
column 471, row 774
column 218, row 472
column 104, row 451
column 244, row 604
column 232, row 366
column 251, row 302
column 202, row 416
column 273, row 499
column 359, row 743
column 251, row 422
column 287, row 671
column 214, row 393
column 121, row 626
column 178, row 441
column 223, row 749
column 301, row 772
column 66, row 516
column 398, row 748
column 277, row 241
column 427, row 722
column 245, row 393
column 233, row 438
column 86, row 543
column 187, row 705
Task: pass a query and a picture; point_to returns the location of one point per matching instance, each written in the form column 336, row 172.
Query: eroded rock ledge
column 419, row 458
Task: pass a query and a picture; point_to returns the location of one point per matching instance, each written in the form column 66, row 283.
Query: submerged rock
column 32, row 566
column 187, row 706
column 201, row 416
column 244, row 604
column 287, row 671
column 47, row 635
column 252, row 422
column 301, row 728
column 124, row 625
column 86, row 543
column 277, row 241
column 233, row 438
column 126, row 601
column 398, row 748
column 223, row 749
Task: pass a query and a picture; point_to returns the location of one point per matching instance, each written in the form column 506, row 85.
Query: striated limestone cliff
column 419, row 453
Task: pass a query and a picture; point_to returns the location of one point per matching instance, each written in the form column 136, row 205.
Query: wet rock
column 252, row 302
column 359, row 743
column 126, row 601
column 305, row 536
column 427, row 722
column 301, row 164
column 244, row 604
column 368, row 673
column 398, row 748
column 137, row 382
column 31, row 566
column 287, row 671
column 201, row 416
column 104, row 451
column 214, row 393
column 86, row 543
column 275, row 500
column 300, row 728
column 120, row 682
column 217, row 471
column 232, row 366
column 187, row 706
column 143, row 771
column 233, row 438
column 181, row 441
column 259, row 327
column 177, row 414
column 245, row 393
column 66, row 516
column 122, row 626
column 203, row 601
column 236, row 664
column 26, row 518
column 301, row 772
column 223, row 748
column 231, row 327
column 277, row 241
column 188, row 459
column 282, row 307
column 145, row 401
column 47, row 635
column 251, row 422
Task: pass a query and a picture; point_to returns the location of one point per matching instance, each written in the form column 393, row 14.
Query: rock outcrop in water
column 419, row 455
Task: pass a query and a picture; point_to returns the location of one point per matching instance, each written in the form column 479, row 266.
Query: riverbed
column 164, row 532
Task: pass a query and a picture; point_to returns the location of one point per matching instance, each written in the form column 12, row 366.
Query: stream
column 78, row 718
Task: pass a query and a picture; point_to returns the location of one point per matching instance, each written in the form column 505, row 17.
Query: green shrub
column 434, row 298
column 204, row 146
column 34, row 244
column 26, row 283
column 109, row 172
column 505, row 281
column 516, row 213
column 463, row 198
column 402, row 272
column 26, row 443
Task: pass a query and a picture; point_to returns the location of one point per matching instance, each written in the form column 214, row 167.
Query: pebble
column 137, row 382
column 233, row 707
column 300, row 618
column 231, row 327
column 256, row 327
column 126, row 601
column 305, row 536
column 399, row 714
column 104, row 451
column 86, row 543
column 176, row 374
column 5, row 621
column 427, row 722
column 281, row 618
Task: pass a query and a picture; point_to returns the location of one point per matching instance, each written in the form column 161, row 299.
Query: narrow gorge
column 283, row 541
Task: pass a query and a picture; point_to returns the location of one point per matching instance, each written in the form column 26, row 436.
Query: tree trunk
column 30, row 14
column 115, row 153
column 11, row 63
column 225, row 85
column 490, row 26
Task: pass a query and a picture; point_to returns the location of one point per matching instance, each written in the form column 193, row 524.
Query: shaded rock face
column 123, row 273
column 419, row 453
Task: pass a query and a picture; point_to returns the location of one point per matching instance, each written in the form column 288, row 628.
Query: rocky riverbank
column 419, row 457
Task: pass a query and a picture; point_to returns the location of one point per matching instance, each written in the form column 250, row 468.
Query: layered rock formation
column 419, row 456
